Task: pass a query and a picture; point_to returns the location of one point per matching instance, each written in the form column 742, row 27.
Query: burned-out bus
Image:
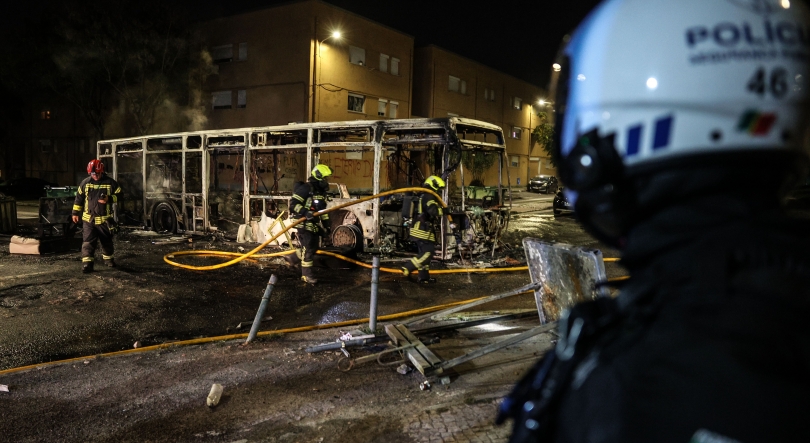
column 238, row 182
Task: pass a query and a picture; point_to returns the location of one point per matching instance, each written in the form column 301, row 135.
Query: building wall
column 285, row 45
column 485, row 94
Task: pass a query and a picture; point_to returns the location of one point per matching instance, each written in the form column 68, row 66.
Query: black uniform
column 706, row 343
column 427, row 212
column 309, row 198
column 94, row 215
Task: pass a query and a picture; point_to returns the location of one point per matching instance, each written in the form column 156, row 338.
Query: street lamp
column 315, row 74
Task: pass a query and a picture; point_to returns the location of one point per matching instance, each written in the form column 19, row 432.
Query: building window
column 457, row 85
column 46, row 146
column 222, row 54
column 357, row 55
column 489, row 95
column 222, row 99
column 381, row 105
column 357, row 103
column 392, row 109
column 516, row 132
column 242, row 52
column 517, row 103
column 514, row 161
column 384, row 63
column 45, row 115
column 394, row 66
column 241, row 98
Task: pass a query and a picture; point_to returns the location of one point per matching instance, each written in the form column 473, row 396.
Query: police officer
column 308, row 198
column 426, row 211
column 679, row 126
column 93, row 203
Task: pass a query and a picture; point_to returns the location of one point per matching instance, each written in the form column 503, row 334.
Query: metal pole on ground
column 375, row 281
column 265, row 298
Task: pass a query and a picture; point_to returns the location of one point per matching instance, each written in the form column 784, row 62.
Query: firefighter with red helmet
column 93, row 204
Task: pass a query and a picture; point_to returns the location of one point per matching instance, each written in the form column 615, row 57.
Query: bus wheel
column 164, row 218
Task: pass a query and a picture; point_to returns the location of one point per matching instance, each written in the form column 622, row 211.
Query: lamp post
column 315, row 75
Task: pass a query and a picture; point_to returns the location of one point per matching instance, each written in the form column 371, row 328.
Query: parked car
column 546, row 184
column 561, row 203
column 25, row 188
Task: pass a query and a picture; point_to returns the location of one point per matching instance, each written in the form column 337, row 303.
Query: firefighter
column 94, row 204
column 308, row 198
column 664, row 112
column 425, row 211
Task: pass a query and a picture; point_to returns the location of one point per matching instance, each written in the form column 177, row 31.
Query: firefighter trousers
column 93, row 234
column 425, row 250
column 310, row 242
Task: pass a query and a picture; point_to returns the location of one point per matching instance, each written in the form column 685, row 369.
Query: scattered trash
column 425, row 385
column 136, row 345
column 403, row 369
column 87, row 362
column 3, row 388
column 214, row 395
column 445, row 380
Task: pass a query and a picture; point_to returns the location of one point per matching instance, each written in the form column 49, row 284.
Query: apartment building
column 447, row 84
column 306, row 61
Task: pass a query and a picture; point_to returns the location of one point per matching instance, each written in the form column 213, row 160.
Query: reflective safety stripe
column 307, row 264
column 422, row 262
column 87, row 259
column 106, row 257
column 77, row 208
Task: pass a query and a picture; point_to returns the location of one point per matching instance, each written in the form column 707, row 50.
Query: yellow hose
column 253, row 253
column 197, row 341
column 167, row 257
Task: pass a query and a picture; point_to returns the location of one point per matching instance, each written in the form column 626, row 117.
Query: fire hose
column 237, row 257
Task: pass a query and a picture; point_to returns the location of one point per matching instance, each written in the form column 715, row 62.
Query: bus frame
column 170, row 180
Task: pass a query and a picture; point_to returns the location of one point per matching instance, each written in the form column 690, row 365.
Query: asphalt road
column 274, row 390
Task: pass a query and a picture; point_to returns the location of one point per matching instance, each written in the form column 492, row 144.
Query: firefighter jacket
column 310, row 197
column 90, row 191
column 426, row 212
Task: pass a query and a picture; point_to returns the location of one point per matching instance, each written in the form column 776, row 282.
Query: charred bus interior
column 238, row 182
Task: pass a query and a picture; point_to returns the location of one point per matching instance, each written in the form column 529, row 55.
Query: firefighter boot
column 424, row 277
column 306, row 276
column 87, row 267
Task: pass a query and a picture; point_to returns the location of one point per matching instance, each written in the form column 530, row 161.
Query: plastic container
column 214, row 396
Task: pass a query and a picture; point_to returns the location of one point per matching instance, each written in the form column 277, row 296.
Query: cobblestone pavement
column 458, row 423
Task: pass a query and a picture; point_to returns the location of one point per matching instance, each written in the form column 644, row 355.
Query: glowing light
column 586, row 161
column 556, row 67
column 652, row 83
column 336, row 34
column 541, row 102
column 493, row 327
column 786, row 4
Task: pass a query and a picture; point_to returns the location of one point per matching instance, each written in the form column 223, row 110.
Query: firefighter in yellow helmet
column 308, row 198
column 425, row 211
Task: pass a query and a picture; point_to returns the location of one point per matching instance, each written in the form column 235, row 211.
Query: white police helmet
column 642, row 83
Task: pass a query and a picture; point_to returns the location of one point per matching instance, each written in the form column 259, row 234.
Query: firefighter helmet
column 320, row 172
column 95, row 167
column 434, row 182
